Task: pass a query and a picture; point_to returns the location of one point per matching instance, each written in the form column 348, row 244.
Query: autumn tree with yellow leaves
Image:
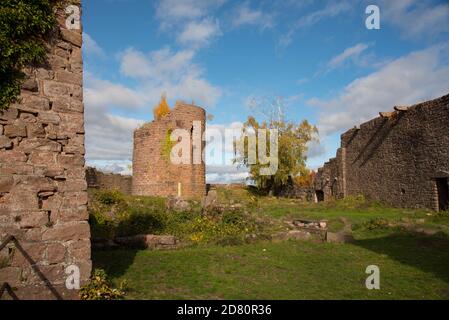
column 162, row 108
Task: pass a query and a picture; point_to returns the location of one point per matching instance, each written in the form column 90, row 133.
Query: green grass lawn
column 412, row 265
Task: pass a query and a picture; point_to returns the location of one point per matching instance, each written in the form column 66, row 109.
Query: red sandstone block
column 56, row 89
column 34, row 251
column 76, row 56
column 72, row 185
column 55, row 274
column 49, row 117
column 9, row 114
column 55, row 253
column 69, row 160
column 35, row 130
column 33, row 103
column 69, row 77
column 11, row 275
column 79, row 250
column 17, row 129
column 67, row 231
column 21, row 200
column 34, row 234
column 75, row 173
column 59, row 60
column 72, row 123
column 76, row 67
column 72, row 36
column 74, row 199
column 32, row 219
column 68, row 215
column 53, row 203
column 43, row 158
column 5, row 142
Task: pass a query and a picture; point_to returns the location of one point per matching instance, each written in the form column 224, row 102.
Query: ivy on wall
column 167, row 146
column 25, row 26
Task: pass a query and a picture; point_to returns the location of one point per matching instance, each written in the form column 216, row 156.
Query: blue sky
column 318, row 56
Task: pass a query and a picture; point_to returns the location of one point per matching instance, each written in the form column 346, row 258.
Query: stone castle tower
column 153, row 173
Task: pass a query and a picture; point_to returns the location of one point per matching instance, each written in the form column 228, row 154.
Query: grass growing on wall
column 25, row 25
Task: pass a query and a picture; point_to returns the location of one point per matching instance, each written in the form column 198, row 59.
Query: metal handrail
column 32, row 263
column 8, row 239
column 5, row 286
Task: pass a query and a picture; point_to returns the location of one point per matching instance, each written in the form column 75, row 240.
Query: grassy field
column 412, row 265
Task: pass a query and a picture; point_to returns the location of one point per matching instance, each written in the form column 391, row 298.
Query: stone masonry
column 154, row 175
column 400, row 158
column 108, row 181
column 43, row 197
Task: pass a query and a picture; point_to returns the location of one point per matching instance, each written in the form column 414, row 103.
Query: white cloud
column 172, row 72
column 102, row 93
column 161, row 65
column 315, row 149
column 418, row 76
column 199, row 33
column 169, row 10
column 190, row 20
column 416, row 18
column 122, row 167
column 349, row 54
column 226, row 174
column 135, row 64
column 109, row 137
column 91, row 47
column 244, row 15
column 331, row 10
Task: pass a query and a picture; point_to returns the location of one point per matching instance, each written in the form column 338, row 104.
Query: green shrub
column 25, row 27
column 101, row 226
column 112, row 215
column 99, row 288
column 110, row 197
column 140, row 222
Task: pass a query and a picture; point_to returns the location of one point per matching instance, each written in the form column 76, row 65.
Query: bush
column 101, row 226
column 110, row 197
column 140, row 222
column 99, row 288
column 25, row 26
column 112, row 215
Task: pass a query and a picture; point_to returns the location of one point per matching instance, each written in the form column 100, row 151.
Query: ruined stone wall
column 297, row 192
column 330, row 178
column 43, row 198
column 108, row 181
column 154, row 174
column 394, row 158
